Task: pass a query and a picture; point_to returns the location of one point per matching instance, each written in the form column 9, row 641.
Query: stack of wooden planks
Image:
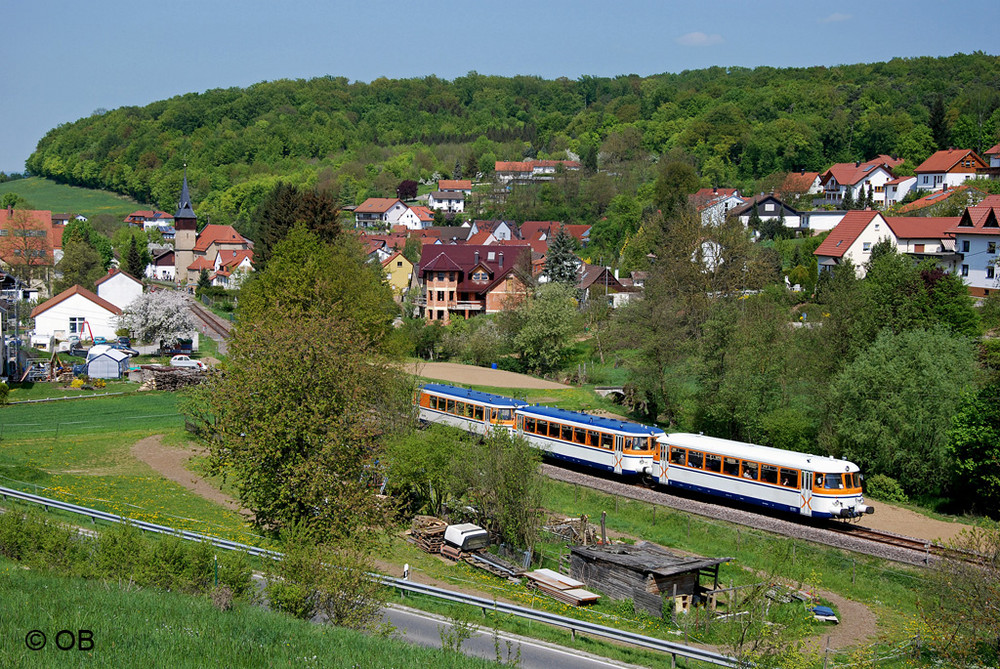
column 563, row 588
column 427, row 533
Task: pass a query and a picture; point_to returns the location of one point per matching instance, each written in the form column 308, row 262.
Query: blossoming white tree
column 154, row 317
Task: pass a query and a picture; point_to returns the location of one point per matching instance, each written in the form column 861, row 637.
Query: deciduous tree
column 80, row 266
column 160, row 316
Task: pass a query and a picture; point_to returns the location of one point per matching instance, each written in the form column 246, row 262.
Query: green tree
column 561, row 264
column 132, row 262
column 122, row 241
column 420, row 467
column 80, row 266
column 85, row 231
column 848, row 202
column 974, row 447
column 540, row 330
column 674, row 181
column 203, row 280
column 412, row 249
column 891, row 406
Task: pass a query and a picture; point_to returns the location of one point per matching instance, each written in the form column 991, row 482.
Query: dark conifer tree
column 133, row 260
column 561, row 263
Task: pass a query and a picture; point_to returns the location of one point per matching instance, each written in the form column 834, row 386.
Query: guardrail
column 675, row 650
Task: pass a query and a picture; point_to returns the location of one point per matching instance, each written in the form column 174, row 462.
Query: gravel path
column 169, row 462
column 479, row 376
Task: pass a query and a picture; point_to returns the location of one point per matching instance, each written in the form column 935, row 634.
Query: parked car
column 186, row 361
column 100, row 340
column 125, row 341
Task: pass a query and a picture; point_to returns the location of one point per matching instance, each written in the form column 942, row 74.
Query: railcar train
column 798, row 483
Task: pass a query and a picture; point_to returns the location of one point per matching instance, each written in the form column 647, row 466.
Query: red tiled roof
column 845, row 233
column 479, row 238
column 217, row 234
column 530, row 229
column 376, row 205
column 706, row 197
column 70, row 292
column 942, row 161
column 512, row 166
column 462, row 258
column 921, row 227
column 798, row 182
column 933, row 198
column 390, row 258
column 200, row 263
column 979, row 220
column 423, row 213
column 230, row 258
column 455, row 184
column 147, row 214
column 113, row 272
column 898, row 180
column 994, row 151
column 848, row 174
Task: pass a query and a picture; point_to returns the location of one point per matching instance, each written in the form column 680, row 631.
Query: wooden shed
column 644, row 573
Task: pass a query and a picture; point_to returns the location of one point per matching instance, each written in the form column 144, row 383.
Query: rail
column 621, row 636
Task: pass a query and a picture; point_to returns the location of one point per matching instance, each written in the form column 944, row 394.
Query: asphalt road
column 423, row 629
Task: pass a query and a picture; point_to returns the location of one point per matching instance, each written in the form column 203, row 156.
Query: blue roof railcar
column 467, row 394
column 585, row 419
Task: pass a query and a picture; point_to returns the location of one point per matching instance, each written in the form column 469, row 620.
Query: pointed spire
column 184, row 208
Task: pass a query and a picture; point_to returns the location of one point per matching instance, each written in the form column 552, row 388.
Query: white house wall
column 119, row 290
column 978, row 259
column 54, row 322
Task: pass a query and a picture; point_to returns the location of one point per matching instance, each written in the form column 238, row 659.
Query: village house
column 147, row 219
column 452, row 202
column 897, row 188
column 379, row 212
column 993, row 171
column 527, row 171
column 30, row 246
column 118, row 288
column 977, row 237
column 75, row 311
column 469, row 280
column 768, row 207
column 858, row 179
column 800, row 183
column 948, row 169
column 463, row 186
column 163, row 267
column 231, row 268
column 398, row 272
column 927, row 237
column 546, row 230
column 853, row 239
column 714, row 204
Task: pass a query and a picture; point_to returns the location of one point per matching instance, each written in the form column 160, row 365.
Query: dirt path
column 898, row 520
column 169, row 462
column 479, row 376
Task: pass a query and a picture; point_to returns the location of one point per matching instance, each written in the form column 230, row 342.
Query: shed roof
column 647, row 558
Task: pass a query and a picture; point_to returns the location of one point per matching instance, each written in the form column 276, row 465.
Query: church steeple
column 184, row 208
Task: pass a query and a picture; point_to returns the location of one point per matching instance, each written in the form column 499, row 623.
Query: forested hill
column 739, row 125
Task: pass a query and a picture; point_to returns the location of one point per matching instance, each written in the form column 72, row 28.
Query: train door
column 662, row 466
column 619, row 453
column 806, row 481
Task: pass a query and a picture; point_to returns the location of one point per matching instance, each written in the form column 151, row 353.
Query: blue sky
column 62, row 60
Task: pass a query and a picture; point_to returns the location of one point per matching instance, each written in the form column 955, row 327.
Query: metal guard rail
column 574, row 625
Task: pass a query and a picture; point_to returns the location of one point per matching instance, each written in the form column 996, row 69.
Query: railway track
column 854, row 538
column 216, row 325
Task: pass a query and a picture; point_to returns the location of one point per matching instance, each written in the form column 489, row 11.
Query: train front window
column 677, row 456
column 851, row 480
column 713, row 463
column 769, row 474
column 638, row 444
column 731, row 466
column 695, row 459
column 789, row 478
column 834, row 482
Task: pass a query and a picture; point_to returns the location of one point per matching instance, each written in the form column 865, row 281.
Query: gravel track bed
column 785, row 528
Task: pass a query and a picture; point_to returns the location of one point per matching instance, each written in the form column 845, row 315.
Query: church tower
column 185, row 235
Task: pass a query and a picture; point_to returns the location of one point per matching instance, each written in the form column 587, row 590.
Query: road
column 423, row 629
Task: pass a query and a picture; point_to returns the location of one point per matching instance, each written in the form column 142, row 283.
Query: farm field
column 60, row 198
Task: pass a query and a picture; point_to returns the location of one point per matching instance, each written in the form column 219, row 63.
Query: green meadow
column 59, row 198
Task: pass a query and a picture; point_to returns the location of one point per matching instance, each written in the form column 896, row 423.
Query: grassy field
column 147, row 628
column 79, row 451
column 59, row 198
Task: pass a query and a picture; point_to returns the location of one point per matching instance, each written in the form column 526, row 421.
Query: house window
column 440, row 296
column 965, row 246
column 866, row 247
column 440, row 276
column 918, row 248
column 76, row 324
column 938, row 179
column 926, row 179
column 399, row 263
column 768, row 207
column 965, row 270
column 991, row 247
column 990, row 271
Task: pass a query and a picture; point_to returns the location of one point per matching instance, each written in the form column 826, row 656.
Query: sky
column 63, row 60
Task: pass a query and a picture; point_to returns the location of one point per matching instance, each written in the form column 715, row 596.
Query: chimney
column 500, row 258
column 477, row 257
column 715, row 189
column 616, row 273
column 857, row 163
column 802, row 171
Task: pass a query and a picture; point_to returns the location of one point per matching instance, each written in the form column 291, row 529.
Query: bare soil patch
column 169, row 462
column 898, row 520
column 479, row 376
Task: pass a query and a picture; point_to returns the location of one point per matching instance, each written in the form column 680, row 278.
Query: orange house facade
column 468, row 280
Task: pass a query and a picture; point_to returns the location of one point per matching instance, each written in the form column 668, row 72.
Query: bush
column 78, row 382
column 4, row 393
column 886, row 489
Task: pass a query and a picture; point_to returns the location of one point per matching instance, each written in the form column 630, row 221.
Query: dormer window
column 491, row 256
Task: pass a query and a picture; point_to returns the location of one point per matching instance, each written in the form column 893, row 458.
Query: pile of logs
column 171, row 378
column 575, row 531
column 427, row 532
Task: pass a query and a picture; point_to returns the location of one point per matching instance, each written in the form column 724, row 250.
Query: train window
column 713, row 463
column 579, row 435
column 479, row 413
column 639, row 444
column 529, row 424
column 850, row 480
column 769, row 474
column 543, row 428
column 554, row 430
column 593, row 438
column 433, row 401
column 834, row 481
column 605, row 440
column 470, row 410
column 731, row 466
column 567, row 433
column 695, row 459
column 451, row 406
column 818, row 481
column 677, row 455
column 789, row 478
column 750, row 470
